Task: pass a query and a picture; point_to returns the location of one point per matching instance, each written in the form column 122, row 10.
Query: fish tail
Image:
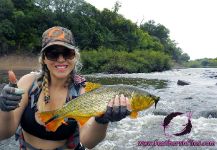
column 54, row 124
column 51, row 119
column 47, row 116
column 156, row 101
column 133, row 114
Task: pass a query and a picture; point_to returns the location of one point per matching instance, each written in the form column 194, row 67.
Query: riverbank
column 19, row 62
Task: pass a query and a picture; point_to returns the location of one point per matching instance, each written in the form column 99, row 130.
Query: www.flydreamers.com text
column 176, row 143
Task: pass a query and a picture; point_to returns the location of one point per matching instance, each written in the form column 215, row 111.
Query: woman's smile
column 61, row 67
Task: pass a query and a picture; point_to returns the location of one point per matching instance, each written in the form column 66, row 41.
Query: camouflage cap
column 57, row 36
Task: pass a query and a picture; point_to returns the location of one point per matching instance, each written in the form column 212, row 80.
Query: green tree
column 7, row 31
column 6, row 9
column 184, row 57
column 24, row 5
column 117, row 6
column 59, row 6
column 159, row 31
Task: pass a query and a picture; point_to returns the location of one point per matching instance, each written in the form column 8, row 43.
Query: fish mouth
column 156, row 101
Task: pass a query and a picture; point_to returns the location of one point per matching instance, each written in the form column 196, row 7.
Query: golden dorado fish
column 94, row 103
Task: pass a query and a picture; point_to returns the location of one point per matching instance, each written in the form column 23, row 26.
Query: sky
column 192, row 23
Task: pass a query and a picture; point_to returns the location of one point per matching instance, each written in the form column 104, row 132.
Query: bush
column 108, row 61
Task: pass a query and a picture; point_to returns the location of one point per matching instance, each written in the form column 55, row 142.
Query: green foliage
column 6, row 36
column 6, row 9
column 108, row 41
column 161, row 33
column 202, row 63
column 6, row 26
column 106, row 60
column 89, row 34
column 116, row 7
column 59, row 6
column 23, row 4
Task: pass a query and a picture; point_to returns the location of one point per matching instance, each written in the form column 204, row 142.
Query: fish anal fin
column 100, row 114
column 134, row 115
column 89, row 86
column 82, row 120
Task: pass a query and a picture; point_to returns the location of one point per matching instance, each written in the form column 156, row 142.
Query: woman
column 48, row 90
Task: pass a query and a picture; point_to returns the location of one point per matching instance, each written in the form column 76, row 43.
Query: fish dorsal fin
column 89, row 86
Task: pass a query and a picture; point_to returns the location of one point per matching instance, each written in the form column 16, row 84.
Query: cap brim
column 59, row 43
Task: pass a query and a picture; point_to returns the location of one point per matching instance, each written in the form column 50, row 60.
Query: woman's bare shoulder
column 27, row 80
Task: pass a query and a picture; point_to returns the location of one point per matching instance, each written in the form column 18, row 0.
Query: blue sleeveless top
column 29, row 124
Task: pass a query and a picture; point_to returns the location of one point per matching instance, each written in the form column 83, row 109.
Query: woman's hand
column 117, row 109
column 10, row 98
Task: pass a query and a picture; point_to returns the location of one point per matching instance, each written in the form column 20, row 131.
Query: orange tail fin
column 51, row 120
column 53, row 125
column 134, row 115
column 45, row 116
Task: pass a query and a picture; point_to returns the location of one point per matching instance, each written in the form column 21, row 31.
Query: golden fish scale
column 95, row 102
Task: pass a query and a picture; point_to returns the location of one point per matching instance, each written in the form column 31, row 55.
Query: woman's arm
column 10, row 120
column 94, row 132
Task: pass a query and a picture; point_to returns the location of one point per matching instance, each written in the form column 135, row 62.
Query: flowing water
column 199, row 98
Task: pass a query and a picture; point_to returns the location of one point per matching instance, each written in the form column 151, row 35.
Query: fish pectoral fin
column 134, row 115
column 82, row 120
column 89, row 86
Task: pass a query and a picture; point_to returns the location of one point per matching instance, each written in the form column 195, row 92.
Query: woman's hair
column 45, row 79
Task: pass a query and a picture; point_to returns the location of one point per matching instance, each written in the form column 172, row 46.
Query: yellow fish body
column 94, row 103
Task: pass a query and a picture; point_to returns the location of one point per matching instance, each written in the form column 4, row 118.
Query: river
column 199, row 98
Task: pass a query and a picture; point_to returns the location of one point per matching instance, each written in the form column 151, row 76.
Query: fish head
column 141, row 101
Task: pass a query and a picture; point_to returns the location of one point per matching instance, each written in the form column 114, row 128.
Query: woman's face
column 59, row 60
